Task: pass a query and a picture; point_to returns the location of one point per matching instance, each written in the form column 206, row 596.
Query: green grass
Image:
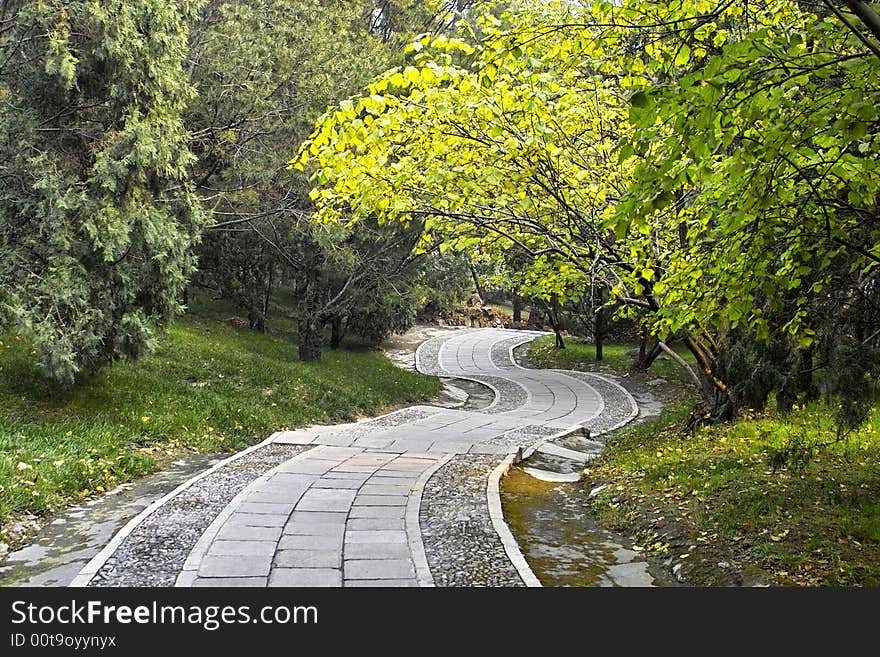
column 773, row 498
column 210, row 387
column 581, row 355
column 725, row 494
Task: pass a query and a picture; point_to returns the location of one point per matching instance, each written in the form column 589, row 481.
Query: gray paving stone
column 339, row 483
column 295, row 438
column 326, row 499
column 332, row 517
column 384, row 450
column 270, row 508
column 243, row 548
column 232, row 582
column 336, row 454
column 381, row 489
column 380, row 500
column 306, row 466
column 365, row 469
column 382, row 480
column 304, row 577
column 371, row 459
column 398, row 474
column 256, row 520
column 423, row 460
column 376, row 443
column 273, row 495
column 381, row 583
column 304, row 528
column 310, row 542
column 343, row 439
column 412, row 444
column 378, row 569
column 245, row 533
column 352, row 476
column 376, row 523
column 377, row 512
column 308, row 559
column 374, row 536
column 377, row 551
column 212, row 566
column 442, row 447
column 291, row 479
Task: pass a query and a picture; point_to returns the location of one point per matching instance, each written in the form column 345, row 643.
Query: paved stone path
column 347, row 511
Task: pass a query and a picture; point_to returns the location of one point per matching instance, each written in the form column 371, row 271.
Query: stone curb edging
column 413, row 525
column 493, row 495
column 88, row 571
column 512, row 358
column 448, row 375
column 634, row 406
column 626, row 393
column 190, row 570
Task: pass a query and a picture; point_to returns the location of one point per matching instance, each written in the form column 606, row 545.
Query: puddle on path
column 69, row 540
column 563, row 544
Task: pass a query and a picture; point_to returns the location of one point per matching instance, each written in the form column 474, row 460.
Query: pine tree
column 97, row 217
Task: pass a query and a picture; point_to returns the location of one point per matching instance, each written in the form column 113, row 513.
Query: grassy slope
column 580, row 355
column 208, row 388
column 729, row 495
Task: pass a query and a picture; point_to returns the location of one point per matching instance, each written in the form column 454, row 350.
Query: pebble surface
column 154, row 553
column 461, row 546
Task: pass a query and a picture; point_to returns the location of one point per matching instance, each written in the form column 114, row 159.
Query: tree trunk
column 805, row 374
column 477, row 286
column 311, row 341
column 716, row 395
column 648, row 356
column 337, row 332
column 536, row 317
column 643, row 350
column 599, row 323
column 256, row 320
column 267, row 294
column 517, row 310
column 554, row 322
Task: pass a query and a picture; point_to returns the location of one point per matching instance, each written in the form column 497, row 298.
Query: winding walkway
column 407, row 499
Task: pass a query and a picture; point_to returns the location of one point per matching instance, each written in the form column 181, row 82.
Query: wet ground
column 69, row 540
column 562, row 543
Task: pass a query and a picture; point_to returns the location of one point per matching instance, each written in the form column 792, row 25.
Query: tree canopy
column 711, row 164
column 98, row 219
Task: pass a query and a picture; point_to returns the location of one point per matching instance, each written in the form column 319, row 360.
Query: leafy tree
column 711, row 165
column 260, row 90
column 352, row 274
column 98, row 219
column 444, row 283
column 258, row 93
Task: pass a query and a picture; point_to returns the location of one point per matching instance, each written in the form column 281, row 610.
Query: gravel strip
column 524, row 436
column 369, row 427
column 460, row 542
column 396, row 418
column 501, row 351
column 429, row 356
column 511, row 396
column 618, row 405
column 154, row 553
